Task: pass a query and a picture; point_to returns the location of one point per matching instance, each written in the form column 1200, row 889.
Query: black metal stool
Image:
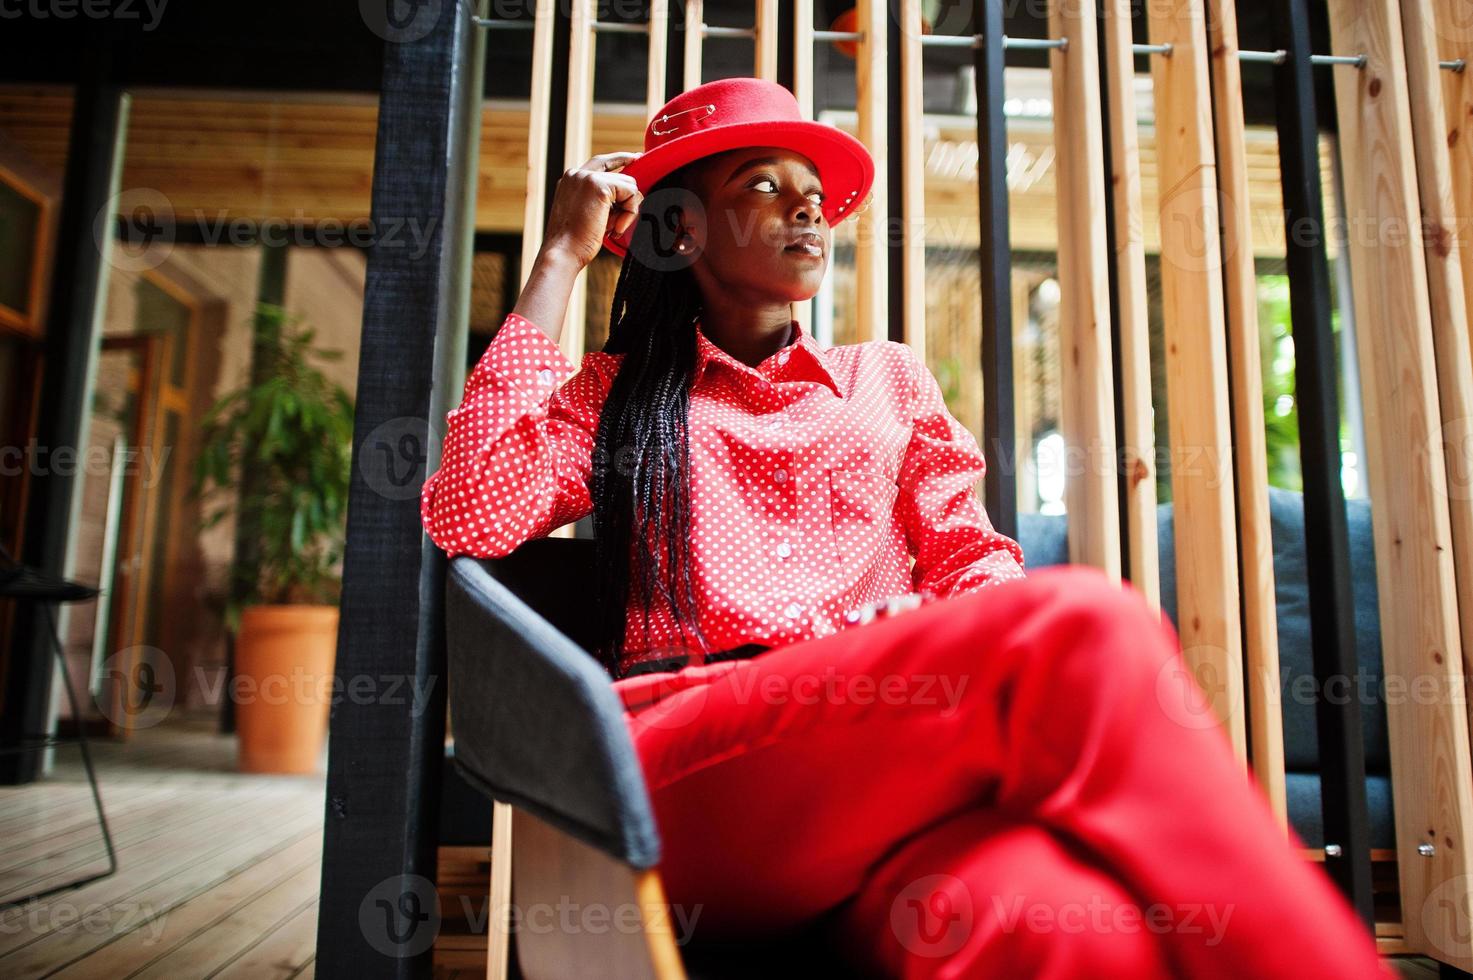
column 22, row 582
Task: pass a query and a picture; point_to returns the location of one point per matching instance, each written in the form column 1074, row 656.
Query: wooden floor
column 218, row 871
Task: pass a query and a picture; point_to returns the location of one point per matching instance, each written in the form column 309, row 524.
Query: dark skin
column 737, row 242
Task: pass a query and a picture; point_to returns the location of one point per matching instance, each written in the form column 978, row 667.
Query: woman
column 851, row 705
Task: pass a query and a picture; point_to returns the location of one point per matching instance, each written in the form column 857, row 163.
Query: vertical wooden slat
column 912, row 109
column 654, row 89
column 764, row 59
column 498, row 926
column 1414, row 557
column 1087, row 396
column 803, row 56
column 1245, row 372
column 1134, row 331
column 578, row 148
column 539, row 106
column 1453, row 25
column 803, row 93
column 871, row 261
column 1196, row 364
column 695, row 34
column 1444, row 255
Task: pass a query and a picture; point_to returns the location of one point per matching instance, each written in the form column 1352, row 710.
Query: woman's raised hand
column 589, row 202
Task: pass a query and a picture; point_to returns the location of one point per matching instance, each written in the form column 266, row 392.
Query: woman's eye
column 769, row 180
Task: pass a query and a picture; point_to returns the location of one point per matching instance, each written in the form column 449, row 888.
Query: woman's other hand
column 590, row 201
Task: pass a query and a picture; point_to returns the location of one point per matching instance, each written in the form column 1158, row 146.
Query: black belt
column 681, row 661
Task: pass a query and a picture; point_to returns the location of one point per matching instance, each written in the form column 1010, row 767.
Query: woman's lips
column 806, row 249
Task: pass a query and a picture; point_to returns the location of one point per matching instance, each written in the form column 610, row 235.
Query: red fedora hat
column 736, row 112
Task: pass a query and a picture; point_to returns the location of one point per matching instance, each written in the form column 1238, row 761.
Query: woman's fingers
column 611, row 161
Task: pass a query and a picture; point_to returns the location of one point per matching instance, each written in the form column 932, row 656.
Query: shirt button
column 793, row 611
column 775, row 424
column 545, row 376
column 783, row 357
column 779, row 476
column 784, row 550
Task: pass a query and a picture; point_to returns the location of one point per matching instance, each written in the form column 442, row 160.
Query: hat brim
column 845, row 167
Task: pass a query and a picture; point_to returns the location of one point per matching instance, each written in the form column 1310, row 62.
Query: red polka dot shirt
column 821, row 480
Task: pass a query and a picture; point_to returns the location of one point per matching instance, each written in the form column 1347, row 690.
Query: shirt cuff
column 525, row 356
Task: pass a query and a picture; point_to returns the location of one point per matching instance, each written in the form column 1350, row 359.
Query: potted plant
column 276, row 452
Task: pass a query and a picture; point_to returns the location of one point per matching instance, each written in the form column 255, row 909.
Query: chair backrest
column 537, row 722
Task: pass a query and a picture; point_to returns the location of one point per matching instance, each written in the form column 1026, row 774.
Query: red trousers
column 1020, row 782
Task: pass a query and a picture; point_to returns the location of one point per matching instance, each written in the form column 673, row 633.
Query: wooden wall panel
column 1091, row 491
column 1196, row 363
column 1407, row 477
column 1240, row 286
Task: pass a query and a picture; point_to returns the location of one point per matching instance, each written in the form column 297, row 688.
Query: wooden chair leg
column 581, row 913
column 498, row 937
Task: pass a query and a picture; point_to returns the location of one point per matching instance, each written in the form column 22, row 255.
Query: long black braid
column 641, row 474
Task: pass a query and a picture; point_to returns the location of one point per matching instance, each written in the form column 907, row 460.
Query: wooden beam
column 1087, row 398
column 1196, row 364
column 657, row 60
column 1407, row 476
column 1133, row 328
column 913, row 170
column 1453, row 28
column 578, row 148
column 539, row 106
column 871, row 252
column 1245, row 374
column 803, row 93
column 695, row 23
column 803, row 56
column 1443, row 251
column 764, row 42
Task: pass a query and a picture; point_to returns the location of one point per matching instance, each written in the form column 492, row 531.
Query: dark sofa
column 1044, row 543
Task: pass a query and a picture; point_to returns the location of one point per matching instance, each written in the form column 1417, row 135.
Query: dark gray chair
column 538, row 726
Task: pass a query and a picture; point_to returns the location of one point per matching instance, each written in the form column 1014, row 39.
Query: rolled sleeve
column 517, row 451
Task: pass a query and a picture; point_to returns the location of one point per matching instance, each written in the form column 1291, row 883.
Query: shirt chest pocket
column 861, row 515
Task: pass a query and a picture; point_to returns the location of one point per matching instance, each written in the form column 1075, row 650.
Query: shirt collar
column 802, row 359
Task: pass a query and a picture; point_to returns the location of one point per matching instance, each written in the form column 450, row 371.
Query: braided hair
column 640, row 483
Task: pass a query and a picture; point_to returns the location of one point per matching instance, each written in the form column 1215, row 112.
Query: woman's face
column 758, row 202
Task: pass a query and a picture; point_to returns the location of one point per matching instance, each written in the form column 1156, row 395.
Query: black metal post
column 78, row 286
column 377, row 915
column 1332, row 627
column 891, row 230
column 994, row 253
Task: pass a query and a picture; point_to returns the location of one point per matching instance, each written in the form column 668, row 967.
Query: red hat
column 735, row 112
